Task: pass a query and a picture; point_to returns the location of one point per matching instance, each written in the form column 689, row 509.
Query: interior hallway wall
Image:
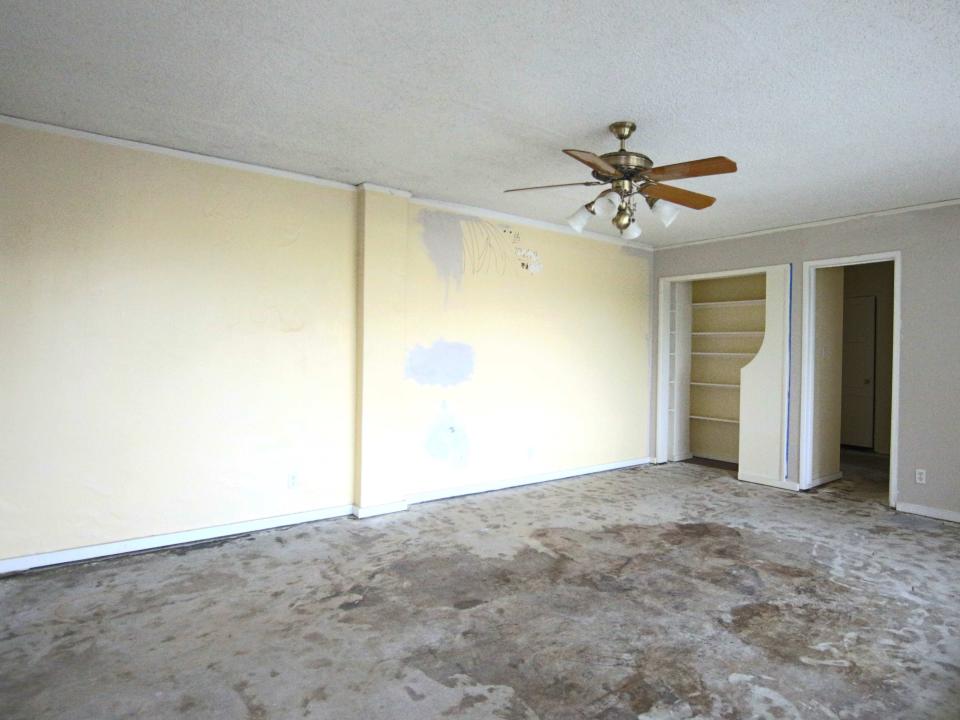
column 176, row 343
column 828, row 375
column 877, row 279
column 930, row 326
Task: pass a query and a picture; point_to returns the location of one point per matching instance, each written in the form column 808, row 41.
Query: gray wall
column 877, row 279
column 930, row 334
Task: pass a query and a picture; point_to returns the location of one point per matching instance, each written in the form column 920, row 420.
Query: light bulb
column 578, row 221
column 666, row 212
column 606, row 205
column 632, row 232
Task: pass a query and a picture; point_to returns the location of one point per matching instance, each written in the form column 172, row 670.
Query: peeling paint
column 529, row 260
column 459, row 245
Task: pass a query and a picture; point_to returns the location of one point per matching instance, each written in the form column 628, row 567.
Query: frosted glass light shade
column 666, row 212
column 606, row 205
column 632, row 232
column 578, row 221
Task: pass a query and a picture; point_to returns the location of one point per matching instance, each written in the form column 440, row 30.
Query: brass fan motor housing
column 630, row 164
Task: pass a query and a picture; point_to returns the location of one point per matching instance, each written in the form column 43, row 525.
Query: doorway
column 850, row 374
column 723, row 370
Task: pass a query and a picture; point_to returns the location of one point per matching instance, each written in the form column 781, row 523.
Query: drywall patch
column 443, row 363
column 447, row 438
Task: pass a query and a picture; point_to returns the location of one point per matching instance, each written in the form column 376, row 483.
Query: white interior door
column 859, row 347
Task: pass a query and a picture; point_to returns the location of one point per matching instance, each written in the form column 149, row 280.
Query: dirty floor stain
column 654, row 592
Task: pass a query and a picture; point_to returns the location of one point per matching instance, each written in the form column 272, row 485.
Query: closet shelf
column 714, row 419
column 729, row 303
column 720, row 385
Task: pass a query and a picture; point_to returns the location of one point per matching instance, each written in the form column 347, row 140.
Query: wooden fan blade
column 678, row 196
column 545, row 187
column 594, row 161
column 695, row 168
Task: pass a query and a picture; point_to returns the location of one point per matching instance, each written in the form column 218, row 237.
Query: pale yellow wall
column 877, row 279
column 188, row 345
column 828, row 372
column 176, row 342
column 382, row 317
column 561, row 352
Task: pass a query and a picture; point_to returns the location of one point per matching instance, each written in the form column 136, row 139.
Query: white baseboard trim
column 936, row 513
column 373, row 510
column 824, row 479
column 518, row 482
column 769, row 482
column 153, row 542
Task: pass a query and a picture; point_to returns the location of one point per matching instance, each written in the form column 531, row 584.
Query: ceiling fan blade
column 546, row 187
column 594, row 161
column 678, row 196
column 694, row 168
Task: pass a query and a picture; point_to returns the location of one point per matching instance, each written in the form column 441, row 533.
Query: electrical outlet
column 921, row 477
column 292, row 482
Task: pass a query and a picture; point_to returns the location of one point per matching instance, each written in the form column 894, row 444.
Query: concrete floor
column 656, row 592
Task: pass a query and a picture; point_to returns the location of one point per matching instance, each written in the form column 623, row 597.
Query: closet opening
column 727, row 324
column 723, row 371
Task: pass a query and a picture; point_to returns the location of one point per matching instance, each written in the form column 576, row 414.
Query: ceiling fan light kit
column 632, row 232
column 631, row 175
column 578, row 221
column 606, row 205
column 664, row 210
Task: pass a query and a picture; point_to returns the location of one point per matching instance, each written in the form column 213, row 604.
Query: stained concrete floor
column 655, row 592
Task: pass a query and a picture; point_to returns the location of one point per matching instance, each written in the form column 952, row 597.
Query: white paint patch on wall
column 443, row 363
column 529, row 260
column 447, row 439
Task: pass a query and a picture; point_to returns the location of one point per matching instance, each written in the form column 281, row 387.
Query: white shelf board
column 713, row 419
column 728, row 354
column 720, row 385
column 729, row 303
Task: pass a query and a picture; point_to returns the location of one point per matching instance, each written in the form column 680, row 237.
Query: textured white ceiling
column 830, row 109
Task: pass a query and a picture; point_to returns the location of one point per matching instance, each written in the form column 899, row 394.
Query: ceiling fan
column 631, row 174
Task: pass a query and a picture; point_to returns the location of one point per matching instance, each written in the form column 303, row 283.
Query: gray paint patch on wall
column 443, row 238
column 443, row 363
column 460, row 244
